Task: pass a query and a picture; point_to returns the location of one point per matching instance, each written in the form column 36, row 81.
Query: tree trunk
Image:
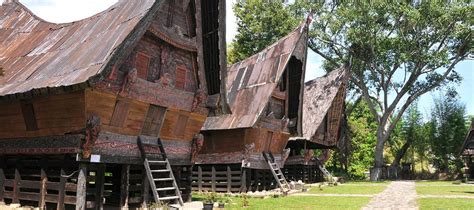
column 376, row 172
column 394, row 167
column 400, row 154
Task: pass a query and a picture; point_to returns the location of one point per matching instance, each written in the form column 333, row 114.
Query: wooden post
column 124, row 186
column 42, row 195
column 81, row 187
column 2, row 185
column 199, row 178
column 243, row 180
column 61, row 191
column 213, row 179
column 16, row 186
column 99, row 186
column 229, row 179
column 145, row 190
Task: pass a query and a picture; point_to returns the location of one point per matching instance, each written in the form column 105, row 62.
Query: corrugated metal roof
column 37, row 54
column 250, row 83
column 318, row 97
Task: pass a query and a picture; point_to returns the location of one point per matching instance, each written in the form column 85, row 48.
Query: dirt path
column 397, row 195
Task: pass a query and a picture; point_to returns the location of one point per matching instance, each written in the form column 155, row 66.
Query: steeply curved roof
column 35, row 54
column 251, row 82
column 319, row 95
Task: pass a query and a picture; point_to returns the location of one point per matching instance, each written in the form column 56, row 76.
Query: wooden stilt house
column 323, row 115
column 467, row 153
column 83, row 104
column 264, row 93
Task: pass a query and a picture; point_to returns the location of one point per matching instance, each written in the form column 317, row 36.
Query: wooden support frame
column 200, row 178
column 16, row 187
column 2, row 185
column 124, row 186
column 81, row 187
column 61, row 191
column 43, row 191
column 99, row 186
column 229, row 179
column 213, row 179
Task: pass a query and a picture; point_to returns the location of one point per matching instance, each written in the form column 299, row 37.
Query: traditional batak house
column 467, row 153
column 264, row 93
column 323, row 116
column 83, row 104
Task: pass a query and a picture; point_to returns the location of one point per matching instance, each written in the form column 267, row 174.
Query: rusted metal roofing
column 250, row 83
column 36, row 54
column 319, row 95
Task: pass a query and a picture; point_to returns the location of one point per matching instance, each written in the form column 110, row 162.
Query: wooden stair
column 159, row 174
column 276, row 171
column 325, row 172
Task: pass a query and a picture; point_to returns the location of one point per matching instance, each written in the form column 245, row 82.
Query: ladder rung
column 163, row 179
column 160, row 171
column 168, row 198
column 157, row 161
column 165, row 188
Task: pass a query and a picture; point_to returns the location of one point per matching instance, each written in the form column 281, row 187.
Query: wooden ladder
column 159, row 173
column 276, row 171
column 325, row 172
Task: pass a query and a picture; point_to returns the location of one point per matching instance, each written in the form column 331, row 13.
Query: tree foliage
column 404, row 48
column 401, row 49
column 260, row 23
column 448, row 121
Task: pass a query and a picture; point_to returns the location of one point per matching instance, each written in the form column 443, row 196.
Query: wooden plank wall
column 266, row 140
column 54, row 115
column 224, row 141
column 174, row 127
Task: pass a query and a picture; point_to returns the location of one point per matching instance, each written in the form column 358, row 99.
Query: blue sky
column 61, row 11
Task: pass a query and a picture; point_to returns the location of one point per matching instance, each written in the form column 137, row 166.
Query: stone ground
column 397, row 195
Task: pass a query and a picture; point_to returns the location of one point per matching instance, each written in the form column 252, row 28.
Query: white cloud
column 63, row 11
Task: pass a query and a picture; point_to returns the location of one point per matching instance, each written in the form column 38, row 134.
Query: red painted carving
column 199, row 98
column 198, row 142
column 92, row 133
column 113, row 74
column 165, row 80
column 128, row 81
column 30, row 151
column 249, row 148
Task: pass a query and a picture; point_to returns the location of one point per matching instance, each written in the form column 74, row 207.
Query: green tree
column 448, row 118
column 363, row 138
column 259, row 24
column 405, row 48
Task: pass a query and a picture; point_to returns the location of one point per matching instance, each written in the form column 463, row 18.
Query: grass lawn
column 351, row 188
column 436, row 183
column 445, row 203
column 443, row 188
column 298, row 202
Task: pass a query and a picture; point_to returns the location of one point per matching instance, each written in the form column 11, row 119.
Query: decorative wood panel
column 142, row 63
column 181, row 73
column 120, row 113
column 181, row 125
column 154, row 120
column 28, row 112
column 192, row 127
